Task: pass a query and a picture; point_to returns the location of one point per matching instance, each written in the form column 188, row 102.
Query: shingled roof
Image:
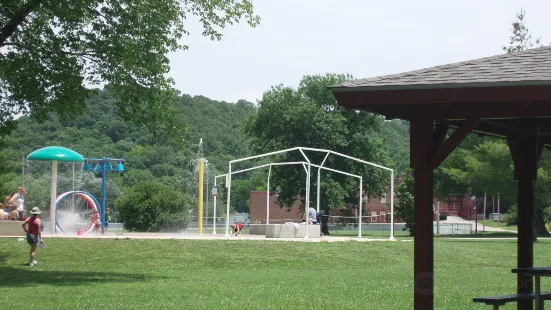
column 529, row 67
column 509, row 94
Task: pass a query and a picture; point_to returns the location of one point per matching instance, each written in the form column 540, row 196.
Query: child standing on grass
column 34, row 234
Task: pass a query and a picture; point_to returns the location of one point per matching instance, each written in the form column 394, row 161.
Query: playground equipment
column 307, row 166
column 304, row 164
column 87, row 217
column 54, row 154
column 104, row 165
column 200, row 167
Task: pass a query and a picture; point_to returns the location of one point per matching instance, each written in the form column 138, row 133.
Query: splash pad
column 82, row 216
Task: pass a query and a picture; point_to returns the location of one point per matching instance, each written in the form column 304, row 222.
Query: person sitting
column 312, row 215
column 8, row 203
column 14, row 215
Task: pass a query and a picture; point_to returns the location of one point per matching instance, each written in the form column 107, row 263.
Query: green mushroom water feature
column 54, row 154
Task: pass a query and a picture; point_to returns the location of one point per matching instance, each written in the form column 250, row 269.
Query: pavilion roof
column 508, row 93
column 529, row 67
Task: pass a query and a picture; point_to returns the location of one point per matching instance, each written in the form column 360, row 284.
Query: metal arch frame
column 245, row 170
column 268, row 190
column 328, row 152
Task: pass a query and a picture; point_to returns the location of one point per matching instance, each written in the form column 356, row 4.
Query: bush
column 511, row 218
column 153, row 207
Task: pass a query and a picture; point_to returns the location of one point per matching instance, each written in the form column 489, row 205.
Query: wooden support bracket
column 442, row 151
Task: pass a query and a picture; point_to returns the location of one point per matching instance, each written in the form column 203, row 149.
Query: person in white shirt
column 18, row 200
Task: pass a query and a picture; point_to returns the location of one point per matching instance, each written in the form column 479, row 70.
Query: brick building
column 278, row 215
column 377, row 208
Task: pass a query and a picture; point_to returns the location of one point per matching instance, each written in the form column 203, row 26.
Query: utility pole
column 207, row 195
column 438, row 217
column 498, row 207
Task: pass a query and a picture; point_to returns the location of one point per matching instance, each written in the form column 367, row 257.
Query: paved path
column 480, row 226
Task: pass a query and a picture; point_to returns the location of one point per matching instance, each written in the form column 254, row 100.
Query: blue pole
column 103, row 194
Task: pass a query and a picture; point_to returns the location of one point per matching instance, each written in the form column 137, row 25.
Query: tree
column 521, row 38
column 405, row 203
column 49, row 49
column 486, row 168
column 309, row 116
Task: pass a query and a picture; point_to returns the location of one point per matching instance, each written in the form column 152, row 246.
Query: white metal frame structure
column 245, row 170
column 307, row 166
column 268, row 189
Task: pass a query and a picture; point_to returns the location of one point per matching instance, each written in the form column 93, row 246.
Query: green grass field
column 191, row 274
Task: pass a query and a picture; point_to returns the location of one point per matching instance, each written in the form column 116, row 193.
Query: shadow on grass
column 25, row 276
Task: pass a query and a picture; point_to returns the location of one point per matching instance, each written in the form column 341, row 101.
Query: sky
column 359, row 37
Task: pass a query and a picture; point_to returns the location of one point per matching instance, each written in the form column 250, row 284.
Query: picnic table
column 537, row 273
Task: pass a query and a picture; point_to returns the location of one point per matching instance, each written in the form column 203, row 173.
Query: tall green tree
column 486, row 168
column 309, row 116
column 49, row 50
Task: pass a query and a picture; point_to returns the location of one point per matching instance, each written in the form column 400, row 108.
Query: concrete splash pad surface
column 191, row 236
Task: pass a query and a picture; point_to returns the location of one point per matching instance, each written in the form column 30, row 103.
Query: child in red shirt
column 237, row 227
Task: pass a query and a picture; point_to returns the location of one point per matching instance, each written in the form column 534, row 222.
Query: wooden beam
column 401, row 111
column 444, row 150
column 506, row 107
column 521, row 95
column 492, row 128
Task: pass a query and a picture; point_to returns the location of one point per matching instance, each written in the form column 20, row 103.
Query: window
column 383, row 198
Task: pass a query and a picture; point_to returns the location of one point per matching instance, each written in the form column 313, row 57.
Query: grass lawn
column 200, row 274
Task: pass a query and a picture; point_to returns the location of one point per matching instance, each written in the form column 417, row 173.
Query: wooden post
column 421, row 150
column 526, row 152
